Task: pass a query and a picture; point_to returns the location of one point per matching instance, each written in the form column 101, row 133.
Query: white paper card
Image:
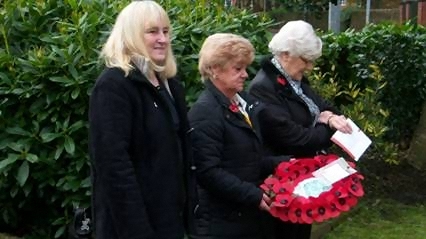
column 353, row 144
column 334, row 171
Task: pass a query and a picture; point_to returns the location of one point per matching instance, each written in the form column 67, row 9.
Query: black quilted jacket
column 230, row 167
column 140, row 162
column 286, row 122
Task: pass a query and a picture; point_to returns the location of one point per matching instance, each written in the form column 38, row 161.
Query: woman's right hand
column 265, row 203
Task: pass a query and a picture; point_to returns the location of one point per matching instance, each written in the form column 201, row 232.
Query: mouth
column 160, row 47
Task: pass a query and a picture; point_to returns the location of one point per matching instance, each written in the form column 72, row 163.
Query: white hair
column 297, row 38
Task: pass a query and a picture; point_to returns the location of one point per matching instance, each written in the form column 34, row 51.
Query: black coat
column 287, row 127
column 140, row 160
column 230, row 167
column 286, row 122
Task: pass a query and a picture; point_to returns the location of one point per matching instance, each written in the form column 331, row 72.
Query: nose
column 162, row 37
column 244, row 73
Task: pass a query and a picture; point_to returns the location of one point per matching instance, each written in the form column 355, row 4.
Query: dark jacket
column 230, row 167
column 140, row 159
column 286, row 122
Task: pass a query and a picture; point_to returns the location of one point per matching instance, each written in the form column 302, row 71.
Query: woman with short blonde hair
column 218, row 49
column 227, row 146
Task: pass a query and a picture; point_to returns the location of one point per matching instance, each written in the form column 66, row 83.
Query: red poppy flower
column 281, row 80
column 268, row 185
column 354, row 186
column 280, row 212
column 234, row 108
column 345, row 203
column 270, row 181
column 283, row 200
column 295, row 212
column 321, row 213
column 295, row 172
column 309, row 211
column 265, row 188
column 333, row 211
column 284, row 188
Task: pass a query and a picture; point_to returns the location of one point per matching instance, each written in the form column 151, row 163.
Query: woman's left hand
column 340, row 123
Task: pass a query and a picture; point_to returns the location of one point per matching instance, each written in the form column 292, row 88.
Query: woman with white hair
column 138, row 132
column 227, row 145
column 296, row 121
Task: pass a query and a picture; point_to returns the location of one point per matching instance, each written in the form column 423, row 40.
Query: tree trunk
column 417, row 151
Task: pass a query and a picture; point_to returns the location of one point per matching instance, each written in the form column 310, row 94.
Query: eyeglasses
column 307, row 62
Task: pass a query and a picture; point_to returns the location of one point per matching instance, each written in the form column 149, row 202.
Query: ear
column 214, row 71
column 284, row 56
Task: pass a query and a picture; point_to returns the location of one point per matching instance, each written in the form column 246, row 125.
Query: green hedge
column 398, row 52
column 49, row 61
column 48, row 64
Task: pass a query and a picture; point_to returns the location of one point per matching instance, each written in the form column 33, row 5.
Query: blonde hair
column 126, row 38
column 298, row 38
column 222, row 48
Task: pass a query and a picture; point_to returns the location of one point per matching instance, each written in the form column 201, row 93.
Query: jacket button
column 193, row 167
column 239, row 214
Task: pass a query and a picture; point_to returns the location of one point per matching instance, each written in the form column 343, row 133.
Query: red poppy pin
column 281, row 80
column 234, row 108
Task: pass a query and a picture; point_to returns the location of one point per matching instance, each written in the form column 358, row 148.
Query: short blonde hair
column 126, row 38
column 298, row 38
column 221, row 48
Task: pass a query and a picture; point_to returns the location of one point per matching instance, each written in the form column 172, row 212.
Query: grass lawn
column 383, row 219
column 394, row 206
column 375, row 219
column 4, row 236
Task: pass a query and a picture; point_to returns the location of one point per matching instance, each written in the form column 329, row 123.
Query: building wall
column 259, row 5
column 357, row 20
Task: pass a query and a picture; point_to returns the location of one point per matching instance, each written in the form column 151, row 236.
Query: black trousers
column 288, row 230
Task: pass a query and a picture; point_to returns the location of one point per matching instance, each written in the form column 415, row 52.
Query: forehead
column 241, row 61
column 157, row 21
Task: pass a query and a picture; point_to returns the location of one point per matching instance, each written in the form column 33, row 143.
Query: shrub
column 48, row 64
column 364, row 108
column 193, row 23
column 49, row 61
column 398, row 52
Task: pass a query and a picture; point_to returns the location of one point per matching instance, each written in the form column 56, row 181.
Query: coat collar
column 236, row 118
column 175, row 89
column 280, row 83
column 226, row 103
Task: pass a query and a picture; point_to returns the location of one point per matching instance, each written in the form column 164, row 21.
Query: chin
column 160, row 62
column 299, row 77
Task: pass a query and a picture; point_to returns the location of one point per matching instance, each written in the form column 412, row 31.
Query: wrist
column 329, row 118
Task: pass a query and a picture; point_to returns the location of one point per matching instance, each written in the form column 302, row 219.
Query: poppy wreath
column 340, row 197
